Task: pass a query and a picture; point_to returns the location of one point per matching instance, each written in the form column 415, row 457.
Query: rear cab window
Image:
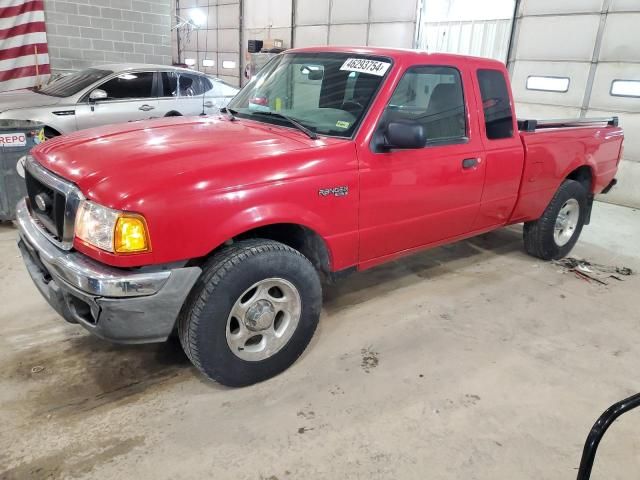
column 496, row 104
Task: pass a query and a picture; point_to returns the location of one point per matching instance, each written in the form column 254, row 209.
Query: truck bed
column 556, row 148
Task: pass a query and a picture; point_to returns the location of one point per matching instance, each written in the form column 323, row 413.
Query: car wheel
column 252, row 312
column 554, row 234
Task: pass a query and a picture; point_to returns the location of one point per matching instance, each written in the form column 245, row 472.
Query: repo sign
column 13, row 139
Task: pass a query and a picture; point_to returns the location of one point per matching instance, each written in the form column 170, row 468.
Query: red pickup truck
column 222, row 228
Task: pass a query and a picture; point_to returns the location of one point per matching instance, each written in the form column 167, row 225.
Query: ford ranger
column 221, row 229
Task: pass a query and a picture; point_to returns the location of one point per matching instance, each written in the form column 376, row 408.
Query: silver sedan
column 116, row 93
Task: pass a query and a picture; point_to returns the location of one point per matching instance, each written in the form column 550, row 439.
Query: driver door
column 416, row 197
column 130, row 97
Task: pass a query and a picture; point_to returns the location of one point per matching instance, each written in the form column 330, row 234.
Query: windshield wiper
column 310, row 133
column 231, row 114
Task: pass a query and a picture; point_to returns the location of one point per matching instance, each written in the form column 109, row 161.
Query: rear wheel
column 554, row 234
column 252, row 313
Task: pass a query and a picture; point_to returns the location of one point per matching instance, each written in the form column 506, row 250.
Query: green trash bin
column 17, row 138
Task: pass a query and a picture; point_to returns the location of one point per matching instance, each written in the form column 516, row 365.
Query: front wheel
column 252, row 313
column 554, row 234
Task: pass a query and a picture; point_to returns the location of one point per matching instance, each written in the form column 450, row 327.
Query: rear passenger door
column 416, row 197
column 504, row 152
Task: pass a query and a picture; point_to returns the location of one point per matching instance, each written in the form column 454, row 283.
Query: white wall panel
column 261, row 14
column 398, row 35
column 557, row 38
column 538, row 111
column 350, row 11
column 623, row 6
column 541, row 7
column 229, row 40
column 605, row 74
column 576, row 72
column 207, row 40
column 355, row 34
column 228, row 15
column 392, row 11
column 312, row 12
column 311, row 35
column 621, row 38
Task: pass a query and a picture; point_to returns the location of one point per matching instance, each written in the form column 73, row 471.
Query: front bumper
column 125, row 306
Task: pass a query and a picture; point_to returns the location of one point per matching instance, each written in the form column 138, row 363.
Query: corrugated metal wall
column 467, row 27
column 592, row 43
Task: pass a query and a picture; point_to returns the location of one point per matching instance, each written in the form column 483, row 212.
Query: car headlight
column 111, row 230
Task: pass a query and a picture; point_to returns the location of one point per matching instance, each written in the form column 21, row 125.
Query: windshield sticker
column 342, row 124
column 363, row 65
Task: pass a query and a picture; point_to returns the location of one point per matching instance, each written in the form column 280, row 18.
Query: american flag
column 24, row 56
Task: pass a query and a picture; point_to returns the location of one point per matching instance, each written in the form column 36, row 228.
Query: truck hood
column 16, row 99
column 119, row 162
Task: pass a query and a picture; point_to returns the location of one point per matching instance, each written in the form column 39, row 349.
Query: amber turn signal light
column 131, row 234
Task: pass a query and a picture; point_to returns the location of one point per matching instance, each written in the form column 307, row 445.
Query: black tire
column 226, row 275
column 539, row 235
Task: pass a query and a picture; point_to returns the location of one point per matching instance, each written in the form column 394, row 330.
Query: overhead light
column 228, row 64
column 190, row 61
column 198, row 17
column 625, row 88
column 208, row 63
column 127, row 76
column 548, row 84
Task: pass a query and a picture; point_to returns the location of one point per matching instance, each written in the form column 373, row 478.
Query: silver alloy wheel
column 263, row 319
column 566, row 222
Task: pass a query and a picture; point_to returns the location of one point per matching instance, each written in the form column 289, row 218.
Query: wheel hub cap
column 260, row 316
column 566, row 222
column 263, row 319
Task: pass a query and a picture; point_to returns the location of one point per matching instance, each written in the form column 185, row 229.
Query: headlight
column 111, row 230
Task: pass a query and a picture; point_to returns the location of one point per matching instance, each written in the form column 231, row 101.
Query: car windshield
column 328, row 93
column 73, row 83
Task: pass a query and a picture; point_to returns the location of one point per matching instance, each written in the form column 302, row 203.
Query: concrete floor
column 472, row 361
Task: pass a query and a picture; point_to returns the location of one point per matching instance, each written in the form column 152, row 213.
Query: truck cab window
column 433, row 97
column 498, row 117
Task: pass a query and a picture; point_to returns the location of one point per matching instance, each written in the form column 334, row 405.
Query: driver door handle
column 208, row 104
column 146, row 108
column 468, row 163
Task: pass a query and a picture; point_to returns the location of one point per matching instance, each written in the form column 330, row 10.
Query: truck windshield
column 328, row 93
column 73, row 83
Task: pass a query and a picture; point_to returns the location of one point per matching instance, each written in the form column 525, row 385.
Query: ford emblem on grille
column 42, row 201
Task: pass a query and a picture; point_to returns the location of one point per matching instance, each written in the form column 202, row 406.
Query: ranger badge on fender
column 335, row 191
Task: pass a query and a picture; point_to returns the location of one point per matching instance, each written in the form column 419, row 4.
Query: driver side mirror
column 97, row 94
column 404, row 134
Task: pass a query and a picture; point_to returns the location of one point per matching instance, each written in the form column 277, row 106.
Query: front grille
column 53, row 203
column 52, row 216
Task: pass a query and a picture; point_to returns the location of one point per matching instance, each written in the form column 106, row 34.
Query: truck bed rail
column 533, row 125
